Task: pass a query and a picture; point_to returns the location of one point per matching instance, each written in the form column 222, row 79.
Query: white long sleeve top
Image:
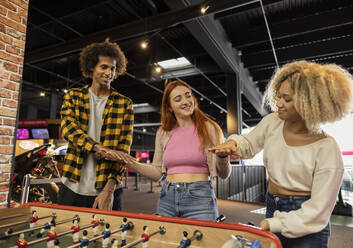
column 316, row 167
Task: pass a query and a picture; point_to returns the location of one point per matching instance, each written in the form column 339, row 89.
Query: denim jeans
column 287, row 204
column 195, row 200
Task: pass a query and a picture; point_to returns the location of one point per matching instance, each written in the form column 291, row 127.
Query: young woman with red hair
column 181, row 154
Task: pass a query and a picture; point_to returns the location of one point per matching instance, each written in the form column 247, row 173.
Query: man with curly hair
column 97, row 121
column 304, row 163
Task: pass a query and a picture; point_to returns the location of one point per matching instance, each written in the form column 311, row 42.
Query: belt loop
column 292, row 201
column 167, row 186
column 185, row 187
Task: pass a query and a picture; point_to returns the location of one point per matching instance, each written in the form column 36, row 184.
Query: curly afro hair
column 89, row 57
column 322, row 92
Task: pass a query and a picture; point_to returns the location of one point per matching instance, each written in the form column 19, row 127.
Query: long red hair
column 198, row 117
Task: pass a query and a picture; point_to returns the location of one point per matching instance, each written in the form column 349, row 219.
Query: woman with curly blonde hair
column 304, row 163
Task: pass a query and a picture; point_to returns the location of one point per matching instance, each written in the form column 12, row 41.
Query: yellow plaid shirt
column 116, row 133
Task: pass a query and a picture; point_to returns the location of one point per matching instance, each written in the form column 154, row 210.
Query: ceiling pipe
column 147, row 124
column 144, row 82
column 269, row 33
column 51, row 73
column 47, row 32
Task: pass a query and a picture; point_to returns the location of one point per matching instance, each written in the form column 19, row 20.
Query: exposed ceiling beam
column 307, row 49
column 144, row 108
column 143, row 132
column 51, row 73
column 295, row 27
column 264, row 73
column 213, row 38
column 47, row 32
column 35, row 85
column 182, row 72
column 56, row 20
column 156, row 124
column 245, row 8
column 75, row 13
column 320, row 57
column 299, row 40
column 133, row 29
column 197, row 69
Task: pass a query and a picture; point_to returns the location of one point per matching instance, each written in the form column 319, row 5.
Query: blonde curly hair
column 322, row 92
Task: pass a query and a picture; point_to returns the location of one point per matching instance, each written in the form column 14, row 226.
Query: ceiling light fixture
column 174, row 63
column 144, row 44
column 42, row 93
column 158, row 69
column 204, row 9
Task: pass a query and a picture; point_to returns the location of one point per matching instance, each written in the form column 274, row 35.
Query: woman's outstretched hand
column 225, row 149
column 264, row 225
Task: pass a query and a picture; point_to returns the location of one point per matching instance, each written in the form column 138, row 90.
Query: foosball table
column 45, row 225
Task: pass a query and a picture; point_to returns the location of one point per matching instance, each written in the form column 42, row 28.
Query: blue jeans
column 287, row 204
column 195, row 200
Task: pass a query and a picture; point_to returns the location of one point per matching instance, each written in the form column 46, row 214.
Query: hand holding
column 227, row 148
column 122, row 157
column 113, row 155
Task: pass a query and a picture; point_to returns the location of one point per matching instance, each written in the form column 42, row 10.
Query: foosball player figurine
column 232, row 242
column 5, row 235
column 106, row 235
column 46, row 227
column 51, row 236
column 95, row 224
column 33, row 221
column 75, row 231
column 255, row 244
column 124, row 227
column 21, row 243
column 115, row 243
column 84, row 240
column 185, row 242
column 56, row 243
column 146, row 236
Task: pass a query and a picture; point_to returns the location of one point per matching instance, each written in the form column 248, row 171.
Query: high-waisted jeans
column 194, row 200
column 289, row 203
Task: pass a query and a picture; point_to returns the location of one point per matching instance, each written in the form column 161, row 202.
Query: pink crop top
column 183, row 153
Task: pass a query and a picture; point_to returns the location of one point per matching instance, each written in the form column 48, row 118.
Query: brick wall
column 13, row 22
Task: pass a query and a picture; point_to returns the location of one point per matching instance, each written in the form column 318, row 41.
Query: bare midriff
column 275, row 189
column 187, row 178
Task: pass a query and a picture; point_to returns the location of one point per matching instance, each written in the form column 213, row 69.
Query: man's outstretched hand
column 113, row 155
